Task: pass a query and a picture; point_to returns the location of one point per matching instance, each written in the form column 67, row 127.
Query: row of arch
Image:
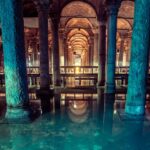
column 79, row 24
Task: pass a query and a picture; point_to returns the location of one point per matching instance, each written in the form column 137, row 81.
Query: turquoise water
column 78, row 125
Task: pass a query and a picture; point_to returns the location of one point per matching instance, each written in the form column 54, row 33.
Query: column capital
column 102, row 15
column 54, row 18
column 112, row 9
column 42, row 5
column 103, row 19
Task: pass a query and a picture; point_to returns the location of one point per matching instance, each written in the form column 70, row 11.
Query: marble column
column 95, row 56
column 55, row 51
column 121, row 53
column 35, row 53
column 43, row 10
column 102, row 53
column 91, row 52
column 1, row 56
column 136, row 93
column 26, row 49
column 14, row 58
column 65, row 52
column 111, row 50
column 61, row 47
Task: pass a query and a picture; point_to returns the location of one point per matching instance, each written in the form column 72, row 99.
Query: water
column 78, row 125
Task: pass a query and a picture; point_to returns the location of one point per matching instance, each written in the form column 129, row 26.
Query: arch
column 79, row 32
column 123, row 24
column 70, row 2
column 126, row 9
column 79, row 19
column 76, row 22
column 77, row 10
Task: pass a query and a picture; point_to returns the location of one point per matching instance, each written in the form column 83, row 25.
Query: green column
column 14, row 57
column 111, row 50
column 136, row 93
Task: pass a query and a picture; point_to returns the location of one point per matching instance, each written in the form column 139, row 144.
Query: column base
column 45, row 94
column 135, row 110
column 17, row 114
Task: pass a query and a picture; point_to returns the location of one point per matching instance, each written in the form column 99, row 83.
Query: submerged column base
column 135, row 110
column 17, row 113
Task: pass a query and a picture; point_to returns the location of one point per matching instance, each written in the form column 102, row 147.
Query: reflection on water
column 82, row 124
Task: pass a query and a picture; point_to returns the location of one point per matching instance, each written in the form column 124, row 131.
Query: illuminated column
column 14, row 58
column 91, row 52
column 36, row 53
column 43, row 9
column 102, row 53
column 136, row 93
column 121, row 53
column 128, row 51
column 26, row 49
column 56, row 58
column 65, row 52
column 61, row 47
column 111, row 50
column 95, row 57
column 1, row 55
column 51, row 59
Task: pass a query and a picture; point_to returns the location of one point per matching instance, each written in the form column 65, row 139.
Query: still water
column 81, row 124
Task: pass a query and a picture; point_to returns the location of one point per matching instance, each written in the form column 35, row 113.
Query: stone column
column 61, row 47
column 136, row 93
column 111, row 50
column 26, row 49
column 108, row 113
column 122, row 50
column 55, row 51
column 34, row 53
column 91, row 52
column 121, row 53
column 95, row 61
column 102, row 53
column 51, row 59
column 14, row 58
column 1, row 56
column 65, row 52
column 43, row 10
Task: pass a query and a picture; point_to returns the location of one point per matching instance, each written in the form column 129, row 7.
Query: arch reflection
column 78, row 111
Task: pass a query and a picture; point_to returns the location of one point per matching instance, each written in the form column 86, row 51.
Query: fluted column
column 55, row 51
column 111, row 51
column 136, row 93
column 43, row 10
column 14, row 58
column 102, row 53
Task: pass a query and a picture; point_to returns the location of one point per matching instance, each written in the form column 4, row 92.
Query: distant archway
column 79, row 20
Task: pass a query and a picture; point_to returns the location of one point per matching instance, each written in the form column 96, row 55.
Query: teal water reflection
column 78, row 125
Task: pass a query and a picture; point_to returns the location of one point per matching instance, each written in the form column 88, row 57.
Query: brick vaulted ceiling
column 79, row 19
